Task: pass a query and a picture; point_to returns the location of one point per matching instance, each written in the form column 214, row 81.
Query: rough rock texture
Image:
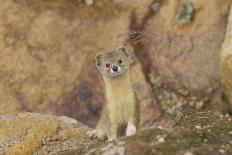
column 180, row 61
column 193, row 134
column 226, row 60
column 31, row 133
column 184, row 58
column 149, row 109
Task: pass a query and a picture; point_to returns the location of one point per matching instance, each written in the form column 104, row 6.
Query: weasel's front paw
column 131, row 129
column 111, row 139
column 92, row 134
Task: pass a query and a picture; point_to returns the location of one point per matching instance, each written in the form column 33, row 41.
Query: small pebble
column 155, row 7
column 89, row 2
column 198, row 127
column 222, row 151
column 209, row 130
column 160, row 139
column 160, row 127
column 188, row 153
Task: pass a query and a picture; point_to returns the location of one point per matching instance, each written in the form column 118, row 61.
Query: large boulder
column 47, row 52
column 180, row 52
column 31, row 133
column 226, row 61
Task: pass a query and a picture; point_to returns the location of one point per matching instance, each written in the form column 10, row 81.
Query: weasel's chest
column 121, row 106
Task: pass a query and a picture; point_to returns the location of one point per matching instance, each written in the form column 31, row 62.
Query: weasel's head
column 114, row 63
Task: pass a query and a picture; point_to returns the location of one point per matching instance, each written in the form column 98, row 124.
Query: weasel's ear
column 99, row 59
column 123, row 50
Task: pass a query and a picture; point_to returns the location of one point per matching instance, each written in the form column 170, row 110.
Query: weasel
column 119, row 115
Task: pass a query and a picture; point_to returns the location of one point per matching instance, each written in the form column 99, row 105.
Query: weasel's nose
column 115, row 68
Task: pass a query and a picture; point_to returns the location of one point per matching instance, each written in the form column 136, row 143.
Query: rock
column 149, row 108
column 185, row 14
column 47, row 56
column 32, row 133
column 226, row 61
column 89, row 2
column 139, row 10
column 186, row 57
column 45, row 66
column 181, row 139
column 155, row 6
column 48, row 48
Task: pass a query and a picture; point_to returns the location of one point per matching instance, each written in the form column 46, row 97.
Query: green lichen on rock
column 173, row 102
column 185, row 14
column 155, row 6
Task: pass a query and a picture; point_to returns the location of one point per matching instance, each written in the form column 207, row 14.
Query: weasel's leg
column 113, row 133
column 97, row 133
column 131, row 128
column 102, row 127
column 101, row 135
column 92, row 134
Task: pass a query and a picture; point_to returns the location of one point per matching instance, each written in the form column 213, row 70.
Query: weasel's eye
column 119, row 61
column 107, row 65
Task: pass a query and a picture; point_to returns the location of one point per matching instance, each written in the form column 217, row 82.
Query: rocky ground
column 194, row 134
column 202, row 133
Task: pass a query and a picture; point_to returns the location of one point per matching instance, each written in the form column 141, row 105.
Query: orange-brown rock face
column 47, row 55
column 47, row 52
column 226, row 61
column 185, row 57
